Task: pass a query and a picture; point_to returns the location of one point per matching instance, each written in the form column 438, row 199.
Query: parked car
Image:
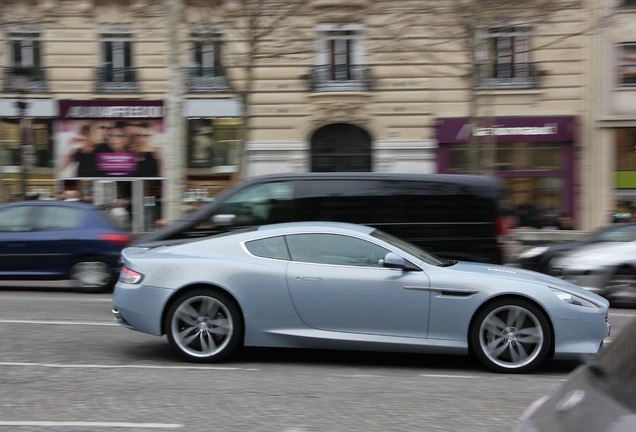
column 58, row 240
column 598, row 396
column 343, row 286
column 538, row 258
column 608, row 269
column 454, row 216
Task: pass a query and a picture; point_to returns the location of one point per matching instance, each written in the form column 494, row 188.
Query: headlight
column 533, row 252
column 573, row 299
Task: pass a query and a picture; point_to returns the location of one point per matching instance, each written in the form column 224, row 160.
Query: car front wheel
column 204, row 326
column 511, row 335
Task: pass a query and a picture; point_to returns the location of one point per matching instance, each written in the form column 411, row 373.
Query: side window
column 335, row 249
column 257, row 205
column 357, row 201
column 16, row 219
column 273, row 247
column 58, row 218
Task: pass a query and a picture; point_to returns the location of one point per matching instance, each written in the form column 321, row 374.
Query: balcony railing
column 340, row 78
column 206, row 80
column 36, row 82
column 116, row 79
column 510, row 76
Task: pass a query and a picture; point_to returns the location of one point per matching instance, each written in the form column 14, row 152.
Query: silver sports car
column 342, row 286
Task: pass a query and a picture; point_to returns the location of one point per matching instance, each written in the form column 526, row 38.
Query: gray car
column 599, row 396
column 342, row 286
column 607, row 269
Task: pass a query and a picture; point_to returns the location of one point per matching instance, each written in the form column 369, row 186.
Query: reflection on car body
column 599, row 396
column 343, row 286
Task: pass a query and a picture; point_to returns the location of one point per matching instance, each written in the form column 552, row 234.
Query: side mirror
column 392, row 260
column 223, row 219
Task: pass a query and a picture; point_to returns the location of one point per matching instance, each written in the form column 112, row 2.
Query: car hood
column 531, row 277
column 599, row 254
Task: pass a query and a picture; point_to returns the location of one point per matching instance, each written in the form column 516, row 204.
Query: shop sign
column 508, row 129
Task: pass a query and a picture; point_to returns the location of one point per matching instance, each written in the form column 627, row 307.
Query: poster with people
column 105, row 146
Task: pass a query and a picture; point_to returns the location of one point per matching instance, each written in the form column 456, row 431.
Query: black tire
column 92, row 275
column 204, row 326
column 511, row 336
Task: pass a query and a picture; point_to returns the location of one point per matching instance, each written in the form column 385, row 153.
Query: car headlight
column 573, row 299
column 533, row 252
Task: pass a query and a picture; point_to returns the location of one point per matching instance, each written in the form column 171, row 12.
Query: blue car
column 57, row 240
column 342, row 286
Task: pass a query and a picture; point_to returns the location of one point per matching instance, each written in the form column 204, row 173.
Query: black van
column 454, row 216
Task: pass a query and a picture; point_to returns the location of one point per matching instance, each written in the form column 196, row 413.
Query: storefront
column 214, row 144
column 533, row 155
column 111, row 153
column 26, row 148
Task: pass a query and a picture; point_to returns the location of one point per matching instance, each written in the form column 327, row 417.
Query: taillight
column 122, row 240
column 130, row 276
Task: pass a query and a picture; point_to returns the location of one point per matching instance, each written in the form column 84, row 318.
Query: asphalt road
column 66, row 366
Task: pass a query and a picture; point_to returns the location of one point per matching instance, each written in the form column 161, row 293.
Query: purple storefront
column 533, row 155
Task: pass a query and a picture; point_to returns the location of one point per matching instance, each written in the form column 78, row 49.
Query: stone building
column 337, row 86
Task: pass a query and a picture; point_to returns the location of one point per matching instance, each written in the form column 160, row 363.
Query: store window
column 532, row 172
column 214, row 144
column 626, row 149
column 38, row 136
column 626, row 64
column 508, row 156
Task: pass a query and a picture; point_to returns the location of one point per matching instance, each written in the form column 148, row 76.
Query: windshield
column 423, row 255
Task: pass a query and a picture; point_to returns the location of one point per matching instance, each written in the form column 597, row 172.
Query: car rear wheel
column 511, row 335
column 204, row 326
column 92, row 275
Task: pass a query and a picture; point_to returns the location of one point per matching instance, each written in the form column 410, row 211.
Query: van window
column 259, row 204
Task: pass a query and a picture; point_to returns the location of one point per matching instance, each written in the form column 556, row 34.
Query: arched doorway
column 341, row 147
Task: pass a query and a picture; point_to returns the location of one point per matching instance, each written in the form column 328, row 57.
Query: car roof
column 291, row 227
column 75, row 204
column 467, row 179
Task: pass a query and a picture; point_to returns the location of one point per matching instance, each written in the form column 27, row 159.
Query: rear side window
column 260, row 204
column 395, row 201
column 273, row 247
column 52, row 218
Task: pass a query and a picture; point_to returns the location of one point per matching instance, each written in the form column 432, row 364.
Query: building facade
column 361, row 86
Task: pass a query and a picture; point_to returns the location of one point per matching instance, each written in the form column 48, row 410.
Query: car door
column 16, row 223
column 338, row 283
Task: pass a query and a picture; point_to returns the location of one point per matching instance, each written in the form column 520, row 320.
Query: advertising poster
column 110, row 139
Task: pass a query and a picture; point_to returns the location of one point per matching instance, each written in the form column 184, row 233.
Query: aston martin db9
column 327, row 285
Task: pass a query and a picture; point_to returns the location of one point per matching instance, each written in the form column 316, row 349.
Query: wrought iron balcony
column 206, row 80
column 16, row 82
column 116, row 79
column 510, row 76
column 340, row 78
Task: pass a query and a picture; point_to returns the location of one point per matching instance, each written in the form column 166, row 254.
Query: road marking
column 622, row 314
column 123, row 366
column 91, row 424
column 449, row 376
column 82, row 323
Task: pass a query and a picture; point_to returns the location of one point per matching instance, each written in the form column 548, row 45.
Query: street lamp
column 22, row 76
